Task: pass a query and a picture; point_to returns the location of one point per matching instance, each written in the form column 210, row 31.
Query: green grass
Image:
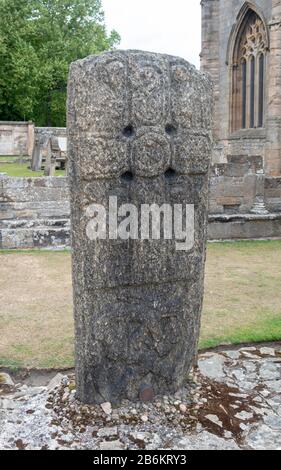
column 267, row 329
column 244, row 247
column 242, row 293
column 18, row 170
column 242, row 302
column 8, row 158
column 11, row 363
column 36, row 251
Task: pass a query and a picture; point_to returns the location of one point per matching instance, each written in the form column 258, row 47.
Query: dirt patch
column 225, row 403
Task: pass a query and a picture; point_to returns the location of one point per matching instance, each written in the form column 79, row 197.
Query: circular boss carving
column 151, row 154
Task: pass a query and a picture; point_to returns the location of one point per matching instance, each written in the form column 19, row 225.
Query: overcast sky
column 172, row 27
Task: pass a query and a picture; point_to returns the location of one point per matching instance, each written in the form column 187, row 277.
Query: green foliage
column 38, row 41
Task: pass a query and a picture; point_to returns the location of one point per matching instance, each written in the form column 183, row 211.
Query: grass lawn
column 16, row 169
column 9, row 158
column 242, row 301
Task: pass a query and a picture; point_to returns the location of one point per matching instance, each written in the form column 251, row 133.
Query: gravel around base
column 232, row 401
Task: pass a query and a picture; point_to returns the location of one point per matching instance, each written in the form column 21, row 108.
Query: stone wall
column 59, row 132
column 52, row 131
column 16, row 138
column 244, row 226
column 219, row 18
column 34, row 212
column 233, row 185
column 273, row 194
column 220, row 25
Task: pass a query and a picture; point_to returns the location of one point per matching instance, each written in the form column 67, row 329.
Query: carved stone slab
column 138, row 129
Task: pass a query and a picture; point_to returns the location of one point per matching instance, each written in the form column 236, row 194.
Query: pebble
column 6, row 382
column 214, row 419
column 112, row 445
column 183, row 408
column 108, row 432
column 55, row 382
column 243, row 426
column 244, row 415
column 140, row 437
column 144, row 418
column 106, row 408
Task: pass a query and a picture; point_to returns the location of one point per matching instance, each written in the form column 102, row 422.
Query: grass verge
column 242, row 301
column 18, row 170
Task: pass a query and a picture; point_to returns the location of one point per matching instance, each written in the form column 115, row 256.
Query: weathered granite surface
column 232, row 402
column 139, row 129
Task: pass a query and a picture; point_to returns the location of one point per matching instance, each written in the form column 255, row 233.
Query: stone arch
column 236, row 28
column 247, row 50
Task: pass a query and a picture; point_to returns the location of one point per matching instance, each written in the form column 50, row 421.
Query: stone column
column 36, row 161
column 139, row 132
column 53, row 165
column 259, row 206
column 48, row 160
column 210, row 53
column 21, row 149
column 30, row 138
column 66, row 165
column 273, row 148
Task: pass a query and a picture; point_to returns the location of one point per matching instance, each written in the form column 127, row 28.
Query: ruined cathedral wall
column 229, row 10
column 218, row 22
column 231, row 193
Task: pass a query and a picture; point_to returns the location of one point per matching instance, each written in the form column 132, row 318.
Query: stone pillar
column 66, row 165
column 56, row 154
column 210, row 53
column 48, row 169
column 139, row 132
column 259, row 206
column 30, row 138
column 36, row 161
column 55, row 146
column 53, row 165
column 273, row 148
column 21, row 149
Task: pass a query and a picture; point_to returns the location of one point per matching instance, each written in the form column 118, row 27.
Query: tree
column 38, row 41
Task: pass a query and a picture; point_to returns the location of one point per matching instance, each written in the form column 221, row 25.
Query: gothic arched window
column 248, row 66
